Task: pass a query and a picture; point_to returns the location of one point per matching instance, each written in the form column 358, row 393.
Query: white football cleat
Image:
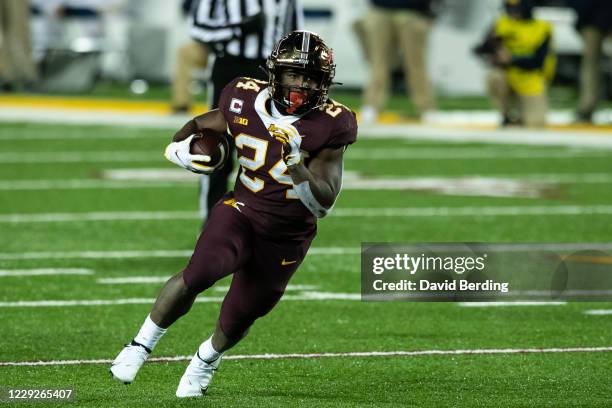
column 196, row 379
column 128, row 362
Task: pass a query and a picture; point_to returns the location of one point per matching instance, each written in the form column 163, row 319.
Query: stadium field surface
column 93, row 220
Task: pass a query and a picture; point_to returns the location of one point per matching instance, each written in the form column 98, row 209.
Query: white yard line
column 355, row 354
column 462, row 134
column 100, row 216
column 132, row 279
column 81, row 157
column 472, row 211
column 169, row 174
column 599, row 312
column 505, row 304
column 158, row 178
column 125, row 280
column 520, row 247
column 45, row 271
column 183, row 253
column 464, row 154
column 130, row 156
column 304, row 296
column 290, row 287
column 339, row 212
column 180, row 253
column 84, row 184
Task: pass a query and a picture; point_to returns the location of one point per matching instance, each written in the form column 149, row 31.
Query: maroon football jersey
column 263, row 181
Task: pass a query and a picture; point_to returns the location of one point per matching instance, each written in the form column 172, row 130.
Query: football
column 213, row 144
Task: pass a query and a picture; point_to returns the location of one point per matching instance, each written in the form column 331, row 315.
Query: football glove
column 290, row 138
column 179, row 154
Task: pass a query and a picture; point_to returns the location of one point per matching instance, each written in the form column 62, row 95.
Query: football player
column 290, row 139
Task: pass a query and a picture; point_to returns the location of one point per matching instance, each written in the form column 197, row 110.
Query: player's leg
column 379, row 32
column 500, row 94
column 413, row 34
column 590, row 72
column 254, row 291
column 7, row 76
column 533, row 110
column 189, row 56
column 222, row 248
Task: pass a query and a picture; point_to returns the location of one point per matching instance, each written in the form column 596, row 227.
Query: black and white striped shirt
column 244, row 28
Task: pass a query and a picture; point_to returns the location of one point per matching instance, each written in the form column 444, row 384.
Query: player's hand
column 179, row 154
column 290, row 138
column 503, row 56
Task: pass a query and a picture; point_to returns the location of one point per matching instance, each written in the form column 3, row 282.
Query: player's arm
column 319, row 183
column 179, row 150
column 213, row 119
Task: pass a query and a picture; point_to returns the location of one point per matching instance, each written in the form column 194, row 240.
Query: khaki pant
column 189, row 56
column 590, row 73
column 16, row 62
column 532, row 108
column 390, row 32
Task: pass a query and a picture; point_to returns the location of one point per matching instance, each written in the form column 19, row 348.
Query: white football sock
column 149, row 334
column 207, row 353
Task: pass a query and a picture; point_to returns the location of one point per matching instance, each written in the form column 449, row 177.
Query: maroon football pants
column 262, row 264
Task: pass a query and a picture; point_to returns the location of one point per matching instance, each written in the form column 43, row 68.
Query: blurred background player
column 594, row 23
column 241, row 39
column 394, row 26
column 520, row 51
column 190, row 56
column 17, row 67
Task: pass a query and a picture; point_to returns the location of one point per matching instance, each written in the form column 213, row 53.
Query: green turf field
column 46, row 170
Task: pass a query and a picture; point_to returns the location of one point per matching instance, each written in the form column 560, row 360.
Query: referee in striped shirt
column 242, row 34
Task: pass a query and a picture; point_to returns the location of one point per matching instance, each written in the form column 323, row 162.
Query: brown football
column 213, row 144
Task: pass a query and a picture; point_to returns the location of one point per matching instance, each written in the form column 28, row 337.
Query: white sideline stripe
column 504, row 304
column 307, row 296
column 339, row 212
column 45, row 271
column 358, row 354
column 179, row 253
column 599, row 312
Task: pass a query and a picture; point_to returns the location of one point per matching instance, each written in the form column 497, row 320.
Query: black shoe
column 511, row 121
column 7, row 87
column 181, row 110
column 584, row 117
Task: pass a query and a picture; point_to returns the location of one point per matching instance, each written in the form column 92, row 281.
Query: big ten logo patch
column 241, row 121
